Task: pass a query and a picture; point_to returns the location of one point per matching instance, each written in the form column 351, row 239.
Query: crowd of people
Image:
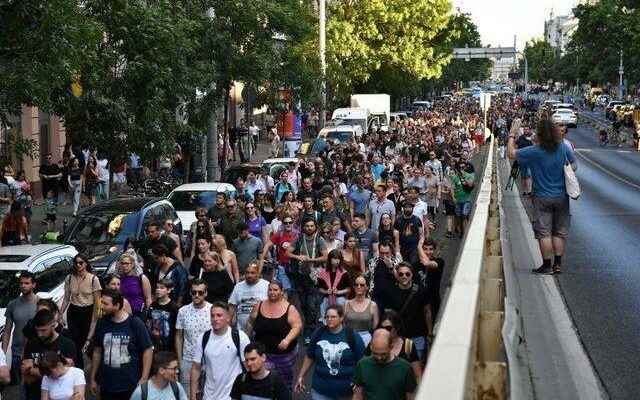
column 330, row 270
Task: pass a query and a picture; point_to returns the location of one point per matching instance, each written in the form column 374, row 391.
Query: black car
column 233, row 172
column 100, row 231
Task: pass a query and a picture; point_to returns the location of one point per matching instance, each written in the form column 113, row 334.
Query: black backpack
column 144, row 390
column 235, row 336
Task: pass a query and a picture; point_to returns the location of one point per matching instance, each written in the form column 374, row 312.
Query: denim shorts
column 463, row 209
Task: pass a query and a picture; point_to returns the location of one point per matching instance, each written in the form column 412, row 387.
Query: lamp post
column 621, row 72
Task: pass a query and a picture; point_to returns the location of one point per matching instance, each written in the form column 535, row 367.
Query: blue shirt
column 547, row 168
column 335, row 362
column 360, row 199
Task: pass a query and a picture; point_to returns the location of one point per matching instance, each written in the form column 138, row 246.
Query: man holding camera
column 463, row 184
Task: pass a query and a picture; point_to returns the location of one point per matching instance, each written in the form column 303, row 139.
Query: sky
column 499, row 20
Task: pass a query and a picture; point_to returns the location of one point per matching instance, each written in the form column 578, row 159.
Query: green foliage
column 394, row 36
column 43, row 44
column 461, row 31
column 542, row 59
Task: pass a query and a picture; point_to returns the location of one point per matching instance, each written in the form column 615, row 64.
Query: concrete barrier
column 467, row 359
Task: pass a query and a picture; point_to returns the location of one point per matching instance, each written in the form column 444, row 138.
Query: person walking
column 218, row 280
column 277, row 324
column 81, row 304
column 74, row 180
column 361, row 313
column 163, row 383
column 14, row 229
column 550, row 201
column 169, row 268
column 18, row 312
column 135, row 287
column 47, row 339
column 122, row 351
column 60, row 380
column 334, row 351
column 383, row 375
column 259, row 380
column 90, row 180
column 193, row 320
column 246, row 294
column 400, row 346
column 246, row 247
column 334, row 281
column 162, row 317
column 220, row 352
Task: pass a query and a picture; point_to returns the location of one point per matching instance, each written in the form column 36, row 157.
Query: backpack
column 144, row 390
column 235, row 336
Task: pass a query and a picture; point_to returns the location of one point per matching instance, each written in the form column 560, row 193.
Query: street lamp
column 323, row 61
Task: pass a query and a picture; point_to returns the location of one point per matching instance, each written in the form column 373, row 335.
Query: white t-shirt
column 154, row 393
column 254, row 130
column 103, row 171
column 221, row 364
column 245, row 296
column 193, row 322
column 62, row 387
column 420, row 210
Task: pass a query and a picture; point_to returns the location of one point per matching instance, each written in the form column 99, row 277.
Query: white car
column 186, row 198
column 565, row 116
column 50, row 263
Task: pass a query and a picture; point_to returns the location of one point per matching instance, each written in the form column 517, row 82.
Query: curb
column 558, row 339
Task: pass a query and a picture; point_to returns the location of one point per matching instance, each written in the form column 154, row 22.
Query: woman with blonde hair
column 213, row 272
column 136, row 288
column 228, row 257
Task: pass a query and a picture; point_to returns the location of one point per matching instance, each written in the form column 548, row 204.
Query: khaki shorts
column 551, row 216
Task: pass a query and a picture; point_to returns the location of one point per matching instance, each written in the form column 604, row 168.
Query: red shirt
column 282, row 240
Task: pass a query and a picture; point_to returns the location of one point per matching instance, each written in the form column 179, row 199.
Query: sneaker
column 557, row 270
column 542, row 270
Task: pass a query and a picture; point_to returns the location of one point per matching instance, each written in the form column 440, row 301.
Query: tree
column 462, row 31
column 396, row 36
column 541, row 58
column 43, row 45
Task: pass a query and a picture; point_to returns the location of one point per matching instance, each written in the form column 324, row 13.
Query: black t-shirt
column 410, row 229
column 270, row 388
column 150, row 264
column 219, row 285
column 34, row 349
column 51, row 169
column 426, row 277
column 413, row 317
column 162, row 325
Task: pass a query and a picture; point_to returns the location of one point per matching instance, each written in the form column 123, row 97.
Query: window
column 54, row 273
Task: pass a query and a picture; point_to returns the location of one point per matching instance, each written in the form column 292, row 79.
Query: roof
column 129, row 204
column 280, row 160
column 206, row 186
column 29, row 254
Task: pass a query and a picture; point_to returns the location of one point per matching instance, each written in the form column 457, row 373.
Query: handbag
column 571, row 180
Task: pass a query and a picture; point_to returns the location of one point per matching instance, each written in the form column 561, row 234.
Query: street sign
column 485, row 101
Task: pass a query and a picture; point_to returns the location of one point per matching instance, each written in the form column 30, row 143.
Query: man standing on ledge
column 551, row 216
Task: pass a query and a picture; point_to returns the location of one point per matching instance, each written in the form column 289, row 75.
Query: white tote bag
column 571, row 180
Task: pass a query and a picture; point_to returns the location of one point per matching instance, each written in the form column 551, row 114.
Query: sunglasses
column 287, row 222
column 404, row 274
column 198, row 292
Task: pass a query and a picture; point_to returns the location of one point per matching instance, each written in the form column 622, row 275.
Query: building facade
column 45, row 130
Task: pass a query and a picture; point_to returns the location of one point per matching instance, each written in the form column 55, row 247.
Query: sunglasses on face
column 198, row 292
column 401, row 274
column 288, row 222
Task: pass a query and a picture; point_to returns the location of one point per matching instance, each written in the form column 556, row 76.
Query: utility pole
column 621, row 72
column 323, row 60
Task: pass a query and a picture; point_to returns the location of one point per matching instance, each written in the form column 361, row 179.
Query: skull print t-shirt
column 335, row 362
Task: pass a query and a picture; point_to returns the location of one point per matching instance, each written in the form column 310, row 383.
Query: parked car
column 232, row 173
column 51, row 263
column 565, row 117
column 186, row 198
column 100, row 231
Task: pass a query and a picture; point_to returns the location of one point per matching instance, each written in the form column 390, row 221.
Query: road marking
column 606, row 171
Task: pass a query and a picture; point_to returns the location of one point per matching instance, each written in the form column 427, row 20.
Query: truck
column 378, row 105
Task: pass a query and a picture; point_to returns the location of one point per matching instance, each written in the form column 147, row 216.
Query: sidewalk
column 549, row 360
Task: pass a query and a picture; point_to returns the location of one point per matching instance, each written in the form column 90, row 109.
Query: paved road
column 601, row 283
